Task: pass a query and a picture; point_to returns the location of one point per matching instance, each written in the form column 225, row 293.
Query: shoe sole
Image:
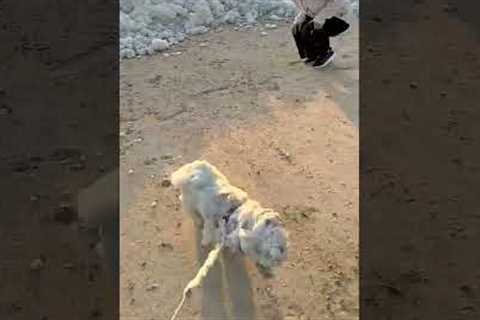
column 326, row 63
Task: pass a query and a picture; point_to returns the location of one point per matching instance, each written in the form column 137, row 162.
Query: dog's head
column 195, row 174
column 266, row 243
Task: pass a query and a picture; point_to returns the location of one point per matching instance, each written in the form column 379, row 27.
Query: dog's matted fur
column 211, row 200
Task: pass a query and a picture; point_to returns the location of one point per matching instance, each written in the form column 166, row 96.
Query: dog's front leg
column 197, row 219
column 265, row 272
column 193, row 213
column 208, row 233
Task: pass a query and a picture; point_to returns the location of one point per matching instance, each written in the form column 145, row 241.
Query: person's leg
column 334, row 26
column 324, row 59
column 298, row 42
column 324, row 53
column 309, row 40
column 297, row 29
column 320, row 50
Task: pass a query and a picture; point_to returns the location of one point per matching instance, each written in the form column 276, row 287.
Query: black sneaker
column 325, row 59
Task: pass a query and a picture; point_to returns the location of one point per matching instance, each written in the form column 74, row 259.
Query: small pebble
column 96, row 313
column 264, row 34
column 68, row 266
column 166, row 245
column 413, row 85
column 449, row 8
column 166, row 157
column 37, row 264
column 149, row 162
column 152, row 287
column 130, row 171
column 166, row 183
column 160, row 44
column 4, row 110
column 154, row 204
column 285, row 155
column 33, row 198
column 270, row 26
column 65, row 214
column 203, row 44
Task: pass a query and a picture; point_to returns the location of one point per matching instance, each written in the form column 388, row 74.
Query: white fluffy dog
column 226, row 213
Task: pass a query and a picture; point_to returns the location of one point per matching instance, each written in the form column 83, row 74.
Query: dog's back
column 206, row 189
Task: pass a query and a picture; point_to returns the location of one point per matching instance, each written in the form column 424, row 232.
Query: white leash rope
column 202, row 272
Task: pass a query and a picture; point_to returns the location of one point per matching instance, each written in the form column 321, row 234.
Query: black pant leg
column 320, row 44
column 298, row 40
column 334, row 26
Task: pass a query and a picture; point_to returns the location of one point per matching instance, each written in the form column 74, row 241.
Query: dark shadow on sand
column 226, row 291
